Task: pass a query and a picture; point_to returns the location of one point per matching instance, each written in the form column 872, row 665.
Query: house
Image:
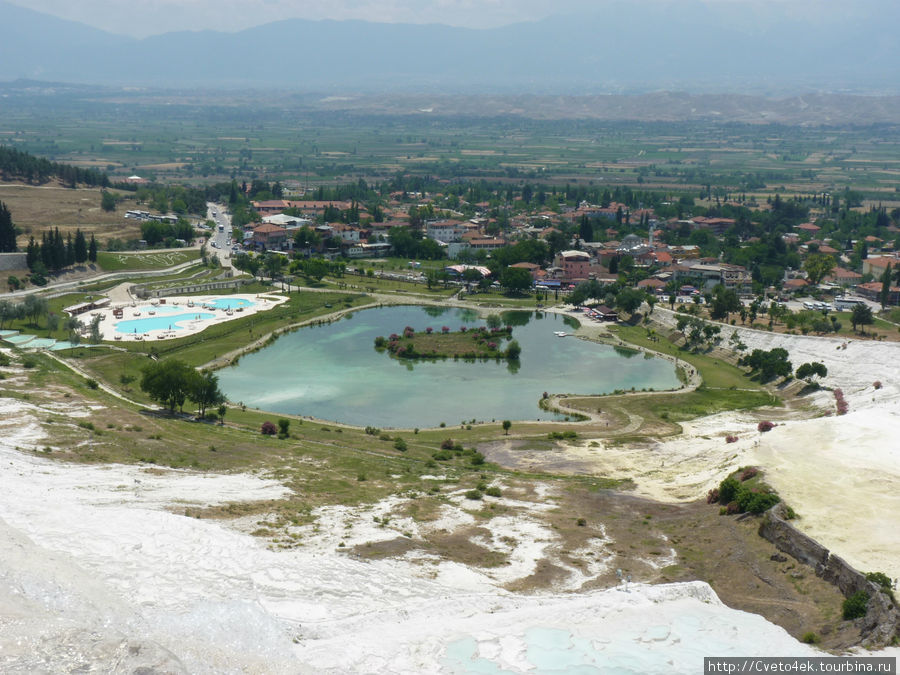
column 872, row 291
column 794, row 285
column 269, row 236
column 878, row 264
column 604, row 313
column 654, row 285
column 447, row 231
column 717, row 225
column 287, row 222
column 730, row 276
column 844, row 277
column 533, row 270
column 572, row 265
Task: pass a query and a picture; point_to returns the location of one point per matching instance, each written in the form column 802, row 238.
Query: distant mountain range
column 620, row 47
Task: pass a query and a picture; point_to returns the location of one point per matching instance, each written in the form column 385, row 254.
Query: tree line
column 54, row 252
column 16, row 164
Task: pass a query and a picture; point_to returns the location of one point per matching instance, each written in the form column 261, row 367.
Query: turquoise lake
column 333, row 372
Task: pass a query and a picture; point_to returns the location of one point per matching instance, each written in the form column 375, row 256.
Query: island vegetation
column 480, row 342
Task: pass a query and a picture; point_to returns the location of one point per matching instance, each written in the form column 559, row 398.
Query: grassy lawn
column 716, row 374
column 378, row 285
column 116, row 261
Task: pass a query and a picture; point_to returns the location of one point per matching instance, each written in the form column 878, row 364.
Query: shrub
column 429, row 330
column 712, row 496
column 879, row 578
column 445, row 329
column 841, row 402
column 373, row 431
column 477, row 459
column 283, row 428
column 92, row 383
column 442, row 455
column 29, row 362
column 268, row 428
column 731, row 439
column 877, row 384
column 447, row 444
column 732, row 508
column 493, row 491
column 384, row 437
column 86, row 425
column 855, row 606
column 728, row 490
column 400, row 444
column 581, row 522
column 765, row 426
column 756, row 502
column 810, row 638
column 380, row 342
column 473, row 494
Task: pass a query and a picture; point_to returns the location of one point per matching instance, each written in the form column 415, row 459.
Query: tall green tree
column 203, row 389
column 818, row 266
column 107, row 201
column 81, row 251
column 168, row 382
column 7, row 231
column 885, row 295
column 861, row 316
column 92, row 250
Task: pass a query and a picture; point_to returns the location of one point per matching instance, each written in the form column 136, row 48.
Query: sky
column 140, row 18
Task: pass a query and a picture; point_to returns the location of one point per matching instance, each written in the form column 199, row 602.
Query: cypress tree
column 7, row 231
column 70, row 250
column 92, row 250
column 32, row 253
column 46, row 251
column 59, row 251
column 885, row 294
column 81, row 252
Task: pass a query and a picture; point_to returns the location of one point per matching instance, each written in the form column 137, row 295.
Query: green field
column 148, row 260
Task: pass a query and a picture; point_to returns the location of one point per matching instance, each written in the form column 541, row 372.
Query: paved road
column 220, row 238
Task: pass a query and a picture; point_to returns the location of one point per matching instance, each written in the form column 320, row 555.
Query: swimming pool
column 228, row 303
column 167, row 322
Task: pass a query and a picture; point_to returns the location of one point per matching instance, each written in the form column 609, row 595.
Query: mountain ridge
column 620, row 47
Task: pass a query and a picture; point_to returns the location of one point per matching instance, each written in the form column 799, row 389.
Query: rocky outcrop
column 881, row 624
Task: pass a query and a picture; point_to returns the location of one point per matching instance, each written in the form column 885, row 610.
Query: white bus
column 846, row 304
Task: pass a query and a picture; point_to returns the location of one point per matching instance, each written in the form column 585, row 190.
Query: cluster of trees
column 175, row 198
column 697, row 332
column 316, row 268
column 54, row 252
column 172, row 382
column 15, row 164
column 614, row 295
column 411, row 243
column 769, row 364
column 166, row 233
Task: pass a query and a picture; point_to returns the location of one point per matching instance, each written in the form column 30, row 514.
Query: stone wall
column 12, row 261
column 187, row 289
column 881, row 625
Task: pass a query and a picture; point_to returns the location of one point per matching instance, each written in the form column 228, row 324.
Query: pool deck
column 189, row 304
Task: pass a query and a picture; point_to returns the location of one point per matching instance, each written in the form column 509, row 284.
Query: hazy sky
column 147, row 17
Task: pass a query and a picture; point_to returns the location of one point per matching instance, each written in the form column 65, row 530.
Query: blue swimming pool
column 228, row 303
column 167, row 322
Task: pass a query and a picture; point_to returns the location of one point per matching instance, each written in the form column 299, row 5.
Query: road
column 220, row 237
